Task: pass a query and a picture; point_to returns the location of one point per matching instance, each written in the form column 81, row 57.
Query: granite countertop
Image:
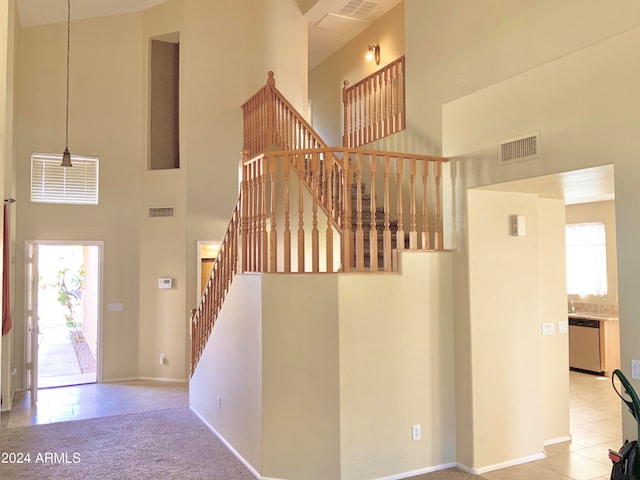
column 594, row 316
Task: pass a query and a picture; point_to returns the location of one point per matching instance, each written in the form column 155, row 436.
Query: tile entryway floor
column 94, row 400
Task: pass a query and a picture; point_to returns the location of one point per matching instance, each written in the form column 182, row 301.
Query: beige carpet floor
column 148, row 445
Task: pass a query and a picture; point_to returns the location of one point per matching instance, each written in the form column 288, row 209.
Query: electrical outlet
column 416, row 434
column 219, row 401
column 563, row 327
column 635, row 369
column 163, row 359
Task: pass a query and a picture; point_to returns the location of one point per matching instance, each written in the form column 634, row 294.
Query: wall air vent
column 162, row 212
column 519, row 149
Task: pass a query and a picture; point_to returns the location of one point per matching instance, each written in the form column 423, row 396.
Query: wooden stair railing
column 269, row 120
column 306, row 209
column 374, row 107
column 225, row 266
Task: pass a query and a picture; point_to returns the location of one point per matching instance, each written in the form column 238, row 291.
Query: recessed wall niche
column 164, row 102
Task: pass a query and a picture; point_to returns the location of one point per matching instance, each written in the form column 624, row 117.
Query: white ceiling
column 593, row 184
column 332, row 23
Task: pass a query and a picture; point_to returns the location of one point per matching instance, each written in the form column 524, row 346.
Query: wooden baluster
column 244, row 214
column 300, row 168
column 376, row 106
column 426, row 237
column 359, row 231
column 287, row 223
column 366, row 112
column 352, row 109
column 347, row 240
column 385, row 108
column 438, row 232
column 250, row 218
column 360, row 140
column 328, row 169
column 400, row 232
column 386, row 236
column 273, row 234
column 413, row 232
column 403, row 100
column 264, row 249
column 346, row 120
column 315, row 239
column 373, row 231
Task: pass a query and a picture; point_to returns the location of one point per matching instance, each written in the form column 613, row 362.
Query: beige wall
column 105, row 115
column 326, row 80
column 328, row 385
column 109, row 118
column 300, row 377
column 457, row 47
column 568, row 100
column 504, row 322
column 8, row 22
column 231, row 369
column 553, row 308
column 396, row 368
column 600, row 212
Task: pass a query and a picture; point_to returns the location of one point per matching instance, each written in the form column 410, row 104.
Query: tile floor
column 595, row 413
column 94, row 400
column 595, row 421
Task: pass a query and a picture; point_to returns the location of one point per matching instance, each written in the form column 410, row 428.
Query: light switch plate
column 548, row 328
column 635, row 369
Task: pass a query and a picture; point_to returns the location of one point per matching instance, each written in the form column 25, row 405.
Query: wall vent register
column 519, row 149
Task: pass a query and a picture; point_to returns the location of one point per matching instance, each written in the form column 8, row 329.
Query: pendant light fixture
column 66, row 156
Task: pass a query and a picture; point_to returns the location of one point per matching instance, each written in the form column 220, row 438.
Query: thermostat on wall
column 165, row 283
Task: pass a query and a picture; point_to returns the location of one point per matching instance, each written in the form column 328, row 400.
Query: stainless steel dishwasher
column 584, row 345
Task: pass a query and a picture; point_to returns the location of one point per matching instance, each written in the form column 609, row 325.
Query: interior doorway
column 207, row 253
column 65, row 297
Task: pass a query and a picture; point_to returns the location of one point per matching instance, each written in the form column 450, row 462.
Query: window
column 51, row 183
column 586, row 259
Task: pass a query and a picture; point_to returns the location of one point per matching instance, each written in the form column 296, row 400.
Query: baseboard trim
column 250, row 467
column 152, row 379
column 553, row 441
column 501, row 465
column 420, row 471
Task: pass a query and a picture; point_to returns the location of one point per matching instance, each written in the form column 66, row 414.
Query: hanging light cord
column 68, row 48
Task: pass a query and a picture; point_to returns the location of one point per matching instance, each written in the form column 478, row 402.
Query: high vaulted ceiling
column 332, row 23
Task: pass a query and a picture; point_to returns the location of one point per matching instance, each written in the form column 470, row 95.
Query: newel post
column 345, row 123
column 271, row 109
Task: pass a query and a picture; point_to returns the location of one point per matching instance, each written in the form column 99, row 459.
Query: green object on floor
column 626, row 461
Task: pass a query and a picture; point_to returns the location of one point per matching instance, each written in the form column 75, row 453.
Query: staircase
column 305, row 208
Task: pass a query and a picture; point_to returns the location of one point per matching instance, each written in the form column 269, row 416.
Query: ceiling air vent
column 340, row 23
column 162, row 212
column 519, row 149
column 357, row 8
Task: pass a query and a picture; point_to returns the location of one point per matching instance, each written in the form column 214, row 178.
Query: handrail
column 374, row 107
column 225, row 266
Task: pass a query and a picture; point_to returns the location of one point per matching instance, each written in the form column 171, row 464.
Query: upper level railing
column 375, row 106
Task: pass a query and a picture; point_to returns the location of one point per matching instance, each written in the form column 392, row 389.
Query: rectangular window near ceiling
column 164, row 105
column 51, row 183
column 586, row 259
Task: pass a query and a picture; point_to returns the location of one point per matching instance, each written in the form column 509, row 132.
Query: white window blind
column 586, row 259
column 51, row 183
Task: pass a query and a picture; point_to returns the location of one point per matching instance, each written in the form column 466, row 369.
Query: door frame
column 31, row 296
